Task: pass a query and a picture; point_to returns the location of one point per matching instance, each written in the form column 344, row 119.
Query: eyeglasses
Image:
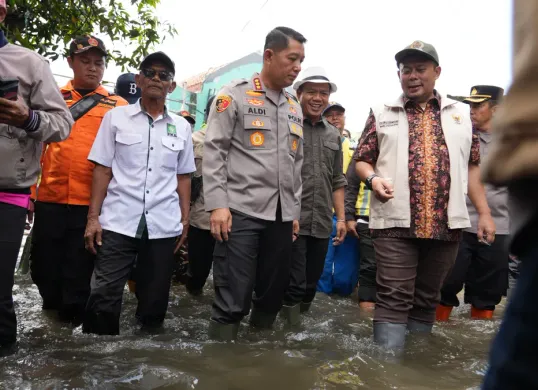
column 163, row 74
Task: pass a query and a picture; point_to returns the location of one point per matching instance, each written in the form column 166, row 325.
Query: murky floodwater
column 333, row 349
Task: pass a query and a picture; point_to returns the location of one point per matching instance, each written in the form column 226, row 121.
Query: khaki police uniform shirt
column 322, row 174
column 199, row 218
column 253, row 151
column 497, row 198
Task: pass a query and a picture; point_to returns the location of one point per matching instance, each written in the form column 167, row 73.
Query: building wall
column 214, row 82
column 212, row 87
column 176, row 98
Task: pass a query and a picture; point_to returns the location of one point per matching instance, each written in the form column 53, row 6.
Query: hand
column 341, row 230
column 30, row 213
column 383, row 189
column 486, row 228
column 221, row 224
column 352, row 228
column 93, row 234
column 296, row 229
column 13, row 113
column 181, row 239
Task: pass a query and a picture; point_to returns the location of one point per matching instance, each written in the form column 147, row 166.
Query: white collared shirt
column 145, row 159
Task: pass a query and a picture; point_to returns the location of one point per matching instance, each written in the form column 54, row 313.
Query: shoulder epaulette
column 290, row 96
column 237, row 82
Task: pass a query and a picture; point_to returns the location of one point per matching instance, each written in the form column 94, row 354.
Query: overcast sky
column 355, row 40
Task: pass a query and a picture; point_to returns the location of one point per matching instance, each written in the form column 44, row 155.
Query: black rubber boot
column 305, row 306
column 223, row 332
column 419, row 327
column 292, row 314
column 260, row 319
column 390, row 336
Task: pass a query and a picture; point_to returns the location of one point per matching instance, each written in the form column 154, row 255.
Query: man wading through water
column 61, row 268
column 323, row 187
column 420, row 157
column 140, row 201
column 253, row 154
column 32, row 111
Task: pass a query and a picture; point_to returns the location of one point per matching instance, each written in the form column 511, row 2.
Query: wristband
column 368, row 181
column 341, row 220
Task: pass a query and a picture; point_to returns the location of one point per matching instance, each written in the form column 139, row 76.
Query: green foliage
column 48, row 26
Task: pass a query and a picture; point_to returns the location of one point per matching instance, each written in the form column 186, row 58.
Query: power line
column 248, row 22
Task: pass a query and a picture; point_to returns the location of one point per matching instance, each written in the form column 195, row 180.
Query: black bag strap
column 80, row 108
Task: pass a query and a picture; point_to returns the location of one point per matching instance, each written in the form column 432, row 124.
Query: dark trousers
column 201, row 247
column 367, row 265
column 513, row 271
column 61, row 267
column 513, row 358
column 308, row 259
column 113, row 265
column 484, row 271
column 410, row 273
column 256, row 258
column 12, row 222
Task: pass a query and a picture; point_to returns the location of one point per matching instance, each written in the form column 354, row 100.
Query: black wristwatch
column 368, row 181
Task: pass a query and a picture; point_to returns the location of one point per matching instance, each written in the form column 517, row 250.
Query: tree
column 48, row 26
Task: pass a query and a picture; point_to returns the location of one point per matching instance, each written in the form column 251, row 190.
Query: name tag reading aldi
column 223, row 102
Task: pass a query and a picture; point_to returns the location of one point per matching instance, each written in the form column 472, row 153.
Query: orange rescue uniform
column 66, row 173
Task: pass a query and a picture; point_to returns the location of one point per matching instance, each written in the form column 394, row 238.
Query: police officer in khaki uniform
column 252, row 186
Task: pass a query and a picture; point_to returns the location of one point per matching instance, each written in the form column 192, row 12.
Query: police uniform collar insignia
column 257, row 84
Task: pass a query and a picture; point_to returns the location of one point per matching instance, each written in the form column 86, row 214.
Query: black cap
column 86, row 42
column 159, row 56
column 418, row 48
column 187, row 115
column 126, row 88
column 481, row 93
column 335, row 105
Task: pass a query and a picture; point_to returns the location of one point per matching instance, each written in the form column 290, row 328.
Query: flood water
column 332, row 349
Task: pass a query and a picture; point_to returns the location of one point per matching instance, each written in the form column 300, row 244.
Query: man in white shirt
column 140, row 201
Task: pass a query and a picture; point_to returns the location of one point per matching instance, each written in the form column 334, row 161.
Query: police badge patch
column 222, row 102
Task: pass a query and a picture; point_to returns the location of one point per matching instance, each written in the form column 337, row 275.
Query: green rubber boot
column 223, row 332
column 292, row 314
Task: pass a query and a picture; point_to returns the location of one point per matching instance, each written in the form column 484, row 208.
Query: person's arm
column 339, row 183
column 185, row 167
column 102, row 155
column 477, row 194
column 100, row 181
column 350, row 198
column 366, row 156
column 298, row 189
column 220, row 127
column 47, row 119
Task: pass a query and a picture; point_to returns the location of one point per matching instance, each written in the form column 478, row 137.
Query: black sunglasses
column 163, row 74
